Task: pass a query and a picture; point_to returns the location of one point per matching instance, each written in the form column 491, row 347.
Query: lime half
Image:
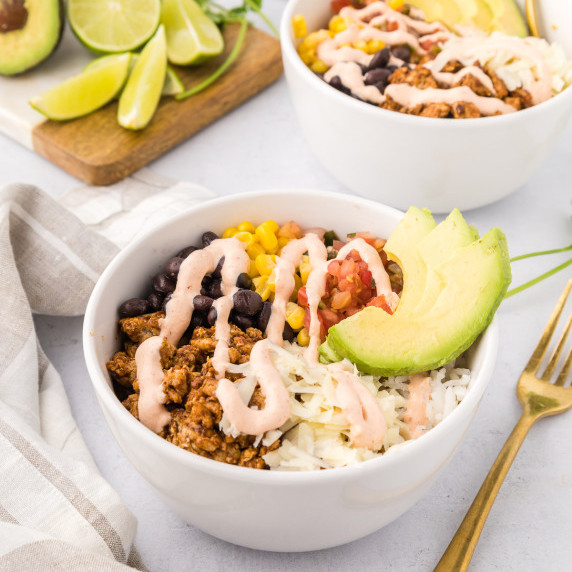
column 112, row 26
column 142, row 93
column 192, row 37
column 85, row 92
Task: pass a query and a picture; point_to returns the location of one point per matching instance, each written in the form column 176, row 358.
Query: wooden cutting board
column 95, row 148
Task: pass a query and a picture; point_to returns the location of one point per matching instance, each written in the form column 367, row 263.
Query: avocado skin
column 380, row 344
column 24, row 49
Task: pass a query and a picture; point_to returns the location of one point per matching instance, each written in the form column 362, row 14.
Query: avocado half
column 453, row 283
column 30, row 31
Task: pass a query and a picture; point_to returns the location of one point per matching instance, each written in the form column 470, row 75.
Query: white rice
column 317, row 434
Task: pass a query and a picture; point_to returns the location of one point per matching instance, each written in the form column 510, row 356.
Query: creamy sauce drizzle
column 416, row 412
column 464, row 49
column 367, row 425
column 363, row 412
column 342, row 59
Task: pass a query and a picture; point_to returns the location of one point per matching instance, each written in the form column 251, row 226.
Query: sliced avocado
column 507, row 17
column 465, row 281
column 30, row 30
column 437, row 246
column 476, row 13
column 412, row 228
column 445, row 11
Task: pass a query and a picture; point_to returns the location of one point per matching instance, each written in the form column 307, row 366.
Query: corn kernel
column 360, row 45
column 337, row 25
column 299, row 26
column 246, row 226
column 312, row 40
column 295, row 316
column 282, row 241
column 305, row 269
column 254, row 249
column 253, row 271
column 271, row 283
column 303, row 337
column 271, row 225
column 319, row 67
column 246, row 237
column 267, row 236
column 374, row 46
column 395, row 4
column 229, row 232
column 261, row 287
column 297, row 285
column 265, row 263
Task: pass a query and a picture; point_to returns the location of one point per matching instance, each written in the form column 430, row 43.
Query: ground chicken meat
column 465, row 110
column 419, row 76
column 436, row 110
column 474, row 84
column 140, row 328
column 190, row 389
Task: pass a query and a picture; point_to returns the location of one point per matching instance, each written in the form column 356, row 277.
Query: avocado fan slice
column 438, row 318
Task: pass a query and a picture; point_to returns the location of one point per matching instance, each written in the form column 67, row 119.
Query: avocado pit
column 13, row 15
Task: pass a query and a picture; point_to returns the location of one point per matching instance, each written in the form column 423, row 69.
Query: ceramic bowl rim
column 112, row 406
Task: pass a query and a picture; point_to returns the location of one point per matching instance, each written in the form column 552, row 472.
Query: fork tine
column 557, row 351
column 540, row 349
column 565, row 370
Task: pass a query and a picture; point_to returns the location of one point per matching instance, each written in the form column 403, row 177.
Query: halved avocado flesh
column 30, row 30
column 465, row 280
column 507, row 17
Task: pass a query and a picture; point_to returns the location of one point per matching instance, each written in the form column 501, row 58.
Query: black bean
column 186, row 251
column 380, row 59
column 198, row 320
column 173, row 266
column 377, row 75
column 247, row 302
column 202, row 303
column 214, row 289
column 155, row 301
column 211, row 316
column 243, row 322
column 217, row 271
column 381, row 85
column 391, row 69
column 166, row 300
column 336, row 83
column 363, row 68
column 208, row 237
column 288, row 333
column 133, row 307
column 264, row 316
column 402, row 52
column 163, row 284
column 244, row 281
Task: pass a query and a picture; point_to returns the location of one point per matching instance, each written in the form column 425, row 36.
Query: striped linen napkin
column 56, row 511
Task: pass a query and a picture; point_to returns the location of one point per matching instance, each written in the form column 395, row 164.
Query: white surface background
column 260, row 146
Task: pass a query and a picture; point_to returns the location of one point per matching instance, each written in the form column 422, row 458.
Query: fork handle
column 460, row 550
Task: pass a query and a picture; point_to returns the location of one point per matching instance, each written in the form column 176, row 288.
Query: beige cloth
column 56, row 511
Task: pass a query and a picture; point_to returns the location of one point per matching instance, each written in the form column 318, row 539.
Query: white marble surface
column 259, row 146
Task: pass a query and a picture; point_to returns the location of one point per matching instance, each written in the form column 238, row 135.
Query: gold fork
column 530, row 7
column 539, row 398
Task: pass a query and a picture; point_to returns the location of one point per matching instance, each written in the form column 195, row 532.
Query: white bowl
column 262, row 509
column 405, row 160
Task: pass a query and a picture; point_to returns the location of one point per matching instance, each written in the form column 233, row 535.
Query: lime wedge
column 85, row 92
column 142, row 93
column 173, row 85
column 192, row 37
column 112, row 26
